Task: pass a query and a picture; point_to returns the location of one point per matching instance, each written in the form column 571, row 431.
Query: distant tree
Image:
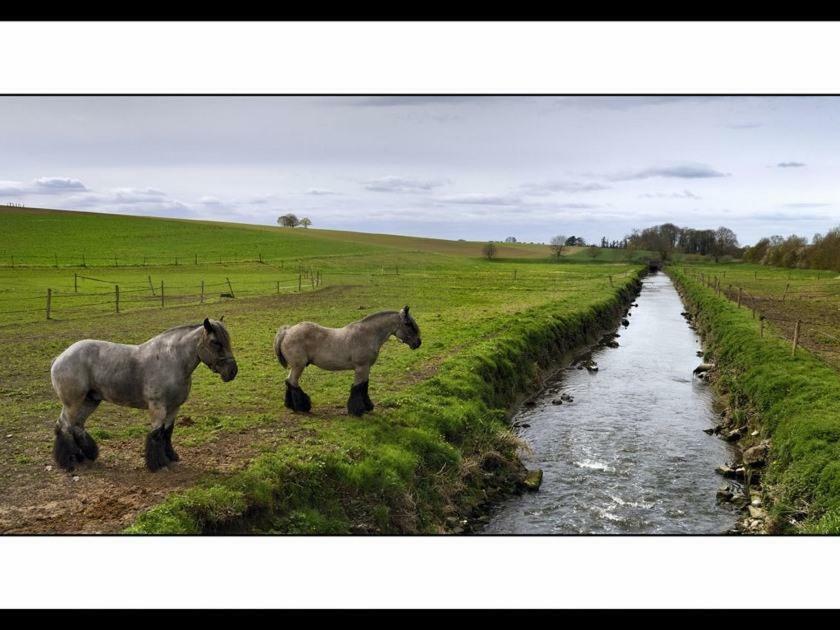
column 305, row 222
column 489, row 250
column 557, row 244
column 510, row 239
column 288, row 220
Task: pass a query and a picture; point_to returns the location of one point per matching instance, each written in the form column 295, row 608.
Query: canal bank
column 619, row 436
column 784, row 406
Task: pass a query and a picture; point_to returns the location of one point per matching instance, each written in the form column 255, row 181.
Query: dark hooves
column 170, row 452
column 297, row 399
column 73, row 447
column 356, row 404
column 156, row 457
column 66, row 452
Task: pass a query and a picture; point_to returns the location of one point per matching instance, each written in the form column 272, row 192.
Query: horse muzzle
column 415, row 345
column 228, row 370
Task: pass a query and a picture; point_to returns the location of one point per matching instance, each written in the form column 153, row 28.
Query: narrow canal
column 628, row 454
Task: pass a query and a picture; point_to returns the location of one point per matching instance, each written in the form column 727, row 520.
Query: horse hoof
column 66, row 452
column 156, row 450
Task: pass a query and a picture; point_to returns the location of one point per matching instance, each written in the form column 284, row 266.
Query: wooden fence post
column 75, row 282
column 117, row 296
column 610, row 277
column 278, row 286
column 49, row 302
column 299, row 278
column 795, row 338
column 161, row 294
column 151, row 286
column 740, row 290
column 762, row 325
column 55, row 258
column 784, row 295
column 230, row 287
column 84, row 263
column 195, row 261
column 202, row 291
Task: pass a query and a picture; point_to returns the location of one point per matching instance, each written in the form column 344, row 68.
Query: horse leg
column 359, row 403
column 83, row 439
column 169, row 427
column 72, row 443
column 296, row 398
column 156, row 457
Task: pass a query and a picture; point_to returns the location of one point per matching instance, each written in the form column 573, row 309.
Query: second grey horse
column 155, row 375
column 353, row 347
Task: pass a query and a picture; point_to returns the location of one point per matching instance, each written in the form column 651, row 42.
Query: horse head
column 215, row 352
column 408, row 331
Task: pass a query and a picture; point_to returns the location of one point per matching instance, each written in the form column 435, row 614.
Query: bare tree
column 489, row 250
column 288, row 220
column 557, row 244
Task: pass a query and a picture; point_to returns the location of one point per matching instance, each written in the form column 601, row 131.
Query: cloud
column 118, row 196
column 42, row 186
column 482, row 199
column 806, row 205
column 57, row 185
column 629, row 102
column 746, row 125
column 320, row 192
column 685, row 194
column 402, row 184
column 11, row 188
column 790, row 164
column 547, row 188
column 682, row 171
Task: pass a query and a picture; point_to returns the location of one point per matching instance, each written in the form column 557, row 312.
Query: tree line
column 823, row 252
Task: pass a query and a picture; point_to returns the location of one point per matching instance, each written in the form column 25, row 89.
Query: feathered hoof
column 297, row 399
column 368, row 401
column 66, row 452
column 356, row 403
column 170, row 452
column 156, row 457
column 85, row 443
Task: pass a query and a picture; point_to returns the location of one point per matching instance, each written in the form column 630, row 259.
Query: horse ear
column 405, row 309
column 208, row 326
column 222, row 318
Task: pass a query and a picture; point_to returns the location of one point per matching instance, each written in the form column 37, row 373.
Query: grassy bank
column 435, row 447
column 442, row 449
column 793, row 401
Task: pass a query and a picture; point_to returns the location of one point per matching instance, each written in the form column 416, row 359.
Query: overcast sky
column 477, row 168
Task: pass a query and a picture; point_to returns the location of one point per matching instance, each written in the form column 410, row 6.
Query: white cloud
column 403, row 184
column 683, row 171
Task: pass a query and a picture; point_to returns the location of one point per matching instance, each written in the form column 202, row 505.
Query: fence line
column 753, row 302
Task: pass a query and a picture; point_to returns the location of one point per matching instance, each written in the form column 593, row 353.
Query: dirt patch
column 105, row 496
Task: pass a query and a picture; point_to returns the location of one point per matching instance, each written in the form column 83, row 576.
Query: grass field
column 794, row 401
column 436, row 446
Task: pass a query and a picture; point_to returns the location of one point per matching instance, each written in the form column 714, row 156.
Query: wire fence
column 121, row 296
column 80, row 296
column 775, row 308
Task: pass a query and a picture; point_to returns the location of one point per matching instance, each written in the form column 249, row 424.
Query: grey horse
column 353, row 347
column 155, row 375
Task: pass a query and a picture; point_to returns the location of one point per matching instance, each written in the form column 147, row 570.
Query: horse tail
column 278, row 340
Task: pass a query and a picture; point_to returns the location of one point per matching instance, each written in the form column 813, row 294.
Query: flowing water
column 628, row 455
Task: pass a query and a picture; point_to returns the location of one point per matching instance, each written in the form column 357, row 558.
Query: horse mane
column 373, row 316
